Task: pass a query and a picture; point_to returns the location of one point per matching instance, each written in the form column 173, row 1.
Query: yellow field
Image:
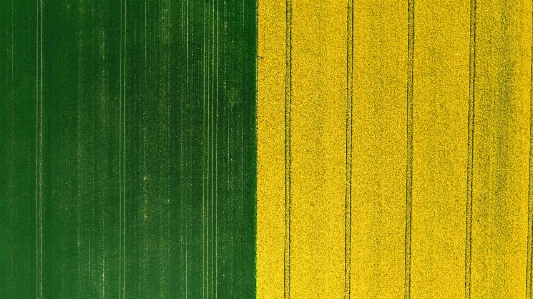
column 366, row 190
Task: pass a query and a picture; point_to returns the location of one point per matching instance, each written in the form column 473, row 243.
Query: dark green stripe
column 17, row 149
column 148, row 149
